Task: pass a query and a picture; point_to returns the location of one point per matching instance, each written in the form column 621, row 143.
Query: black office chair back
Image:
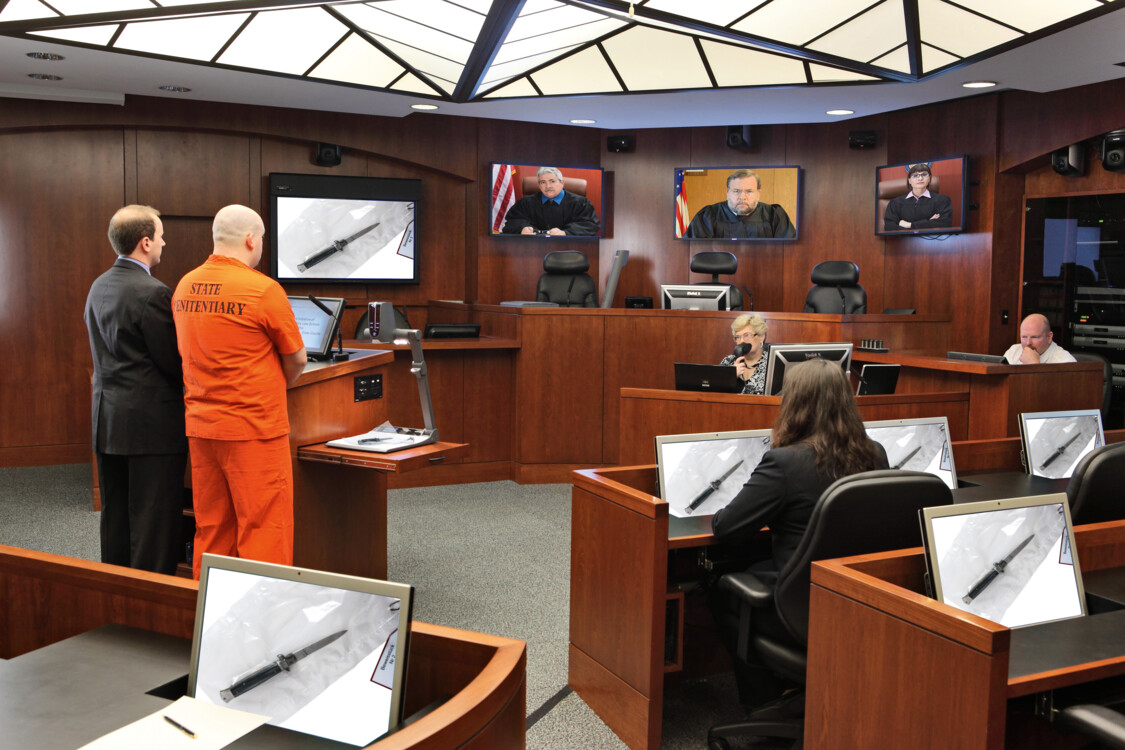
column 566, row 282
column 1094, row 490
column 716, row 262
column 1107, row 377
column 836, row 289
column 875, row 511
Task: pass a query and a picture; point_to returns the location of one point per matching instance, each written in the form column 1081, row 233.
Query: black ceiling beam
column 913, row 36
column 497, row 24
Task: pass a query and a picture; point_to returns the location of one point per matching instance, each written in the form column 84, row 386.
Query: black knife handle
column 981, row 585
column 252, row 681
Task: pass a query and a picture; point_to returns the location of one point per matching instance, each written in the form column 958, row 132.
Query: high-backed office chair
column 717, row 262
column 875, row 511
column 565, row 281
column 1095, row 486
column 836, row 289
column 576, row 185
column 1107, row 379
column 1099, row 723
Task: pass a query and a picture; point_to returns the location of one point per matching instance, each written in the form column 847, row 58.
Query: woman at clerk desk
column 749, row 353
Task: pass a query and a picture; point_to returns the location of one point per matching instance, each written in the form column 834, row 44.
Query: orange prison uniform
column 232, row 322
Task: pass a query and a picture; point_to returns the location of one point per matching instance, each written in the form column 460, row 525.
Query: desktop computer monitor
column 781, row 356
column 694, row 297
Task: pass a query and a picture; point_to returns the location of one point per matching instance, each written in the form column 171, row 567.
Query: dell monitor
column 694, row 297
column 781, row 356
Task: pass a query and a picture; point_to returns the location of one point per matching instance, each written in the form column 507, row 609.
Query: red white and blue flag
column 681, row 205
column 503, row 194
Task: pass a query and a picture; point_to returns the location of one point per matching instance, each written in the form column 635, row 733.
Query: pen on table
column 179, row 726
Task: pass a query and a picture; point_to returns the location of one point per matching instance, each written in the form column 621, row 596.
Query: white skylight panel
column 1030, row 15
column 424, row 62
column 357, row 61
column 384, row 25
column 828, row 74
column 99, row 35
column 552, row 19
column 864, row 37
column 480, row 6
column 559, row 40
column 933, row 58
column 648, row 59
column 195, row 38
column 798, row 21
column 522, row 87
column 168, row 3
column 285, row 41
column 580, row 73
column 958, row 31
column 81, row 7
column 411, row 83
column 499, row 72
column 449, row 17
column 23, row 10
column 897, row 59
column 714, row 12
column 738, row 66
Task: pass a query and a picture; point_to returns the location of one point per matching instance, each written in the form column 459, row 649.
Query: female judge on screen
column 818, row 437
column 918, row 209
column 749, row 353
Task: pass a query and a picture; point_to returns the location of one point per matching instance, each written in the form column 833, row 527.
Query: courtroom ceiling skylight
column 475, row 50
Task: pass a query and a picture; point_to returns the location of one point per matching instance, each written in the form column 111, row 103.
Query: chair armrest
column 749, row 588
column 1096, row 722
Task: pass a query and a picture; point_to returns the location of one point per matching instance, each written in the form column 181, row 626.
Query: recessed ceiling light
column 840, row 112
column 582, row 122
column 175, row 89
column 424, row 107
column 45, row 56
column 44, row 77
column 978, row 84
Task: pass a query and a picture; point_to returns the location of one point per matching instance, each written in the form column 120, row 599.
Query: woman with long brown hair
column 818, row 437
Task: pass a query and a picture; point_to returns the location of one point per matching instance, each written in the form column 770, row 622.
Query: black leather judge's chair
column 1095, row 486
column 566, row 282
column 717, row 262
column 836, row 289
column 1107, row 379
column 875, row 511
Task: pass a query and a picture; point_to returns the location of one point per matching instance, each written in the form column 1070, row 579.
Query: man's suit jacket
column 138, row 398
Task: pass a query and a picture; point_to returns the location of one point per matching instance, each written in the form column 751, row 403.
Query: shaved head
column 233, row 223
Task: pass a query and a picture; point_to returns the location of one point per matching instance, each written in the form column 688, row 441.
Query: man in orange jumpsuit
column 241, row 348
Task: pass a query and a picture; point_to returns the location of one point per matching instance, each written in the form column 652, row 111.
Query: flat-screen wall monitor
column 722, row 204
column 318, row 328
column 694, row 297
column 917, row 445
column 512, row 182
column 320, row 653
column 326, row 228
column 1011, row 561
column 783, row 356
column 1054, row 442
column 701, row 473
column 933, row 202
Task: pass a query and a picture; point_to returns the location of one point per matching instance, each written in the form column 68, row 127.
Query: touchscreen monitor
column 700, row 473
column 917, row 445
column 1054, row 442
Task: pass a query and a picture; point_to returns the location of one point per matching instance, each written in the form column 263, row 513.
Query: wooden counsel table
column 998, row 394
column 49, row 598
column 909, row 671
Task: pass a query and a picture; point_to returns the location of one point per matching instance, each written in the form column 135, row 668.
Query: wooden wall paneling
column 837, row 219
column 61, row 189
column 1007, row 273
column 187, row 245
column 487, row 386
column 508, row 268
column 190, row 173
column 1045, row 181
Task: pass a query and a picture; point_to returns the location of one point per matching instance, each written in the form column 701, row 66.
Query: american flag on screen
column 503, row 194
column 681, row 205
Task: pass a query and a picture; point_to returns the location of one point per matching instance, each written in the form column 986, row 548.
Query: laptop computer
column 715, row 378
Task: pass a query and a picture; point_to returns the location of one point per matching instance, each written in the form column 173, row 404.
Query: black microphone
column 742, row 350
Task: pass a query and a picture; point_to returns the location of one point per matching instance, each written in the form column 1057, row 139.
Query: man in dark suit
column 138, row 400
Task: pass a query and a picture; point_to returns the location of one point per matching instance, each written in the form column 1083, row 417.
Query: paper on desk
column 214, row 726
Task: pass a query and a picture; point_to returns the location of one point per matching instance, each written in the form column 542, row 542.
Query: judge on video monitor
column 742, row 215
column 552, row 210
column 918, row 209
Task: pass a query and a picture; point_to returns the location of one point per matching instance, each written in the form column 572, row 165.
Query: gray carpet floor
column 491, row 557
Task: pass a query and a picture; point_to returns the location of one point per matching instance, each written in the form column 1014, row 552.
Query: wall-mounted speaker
column 1070, row 161
column 861, row 139
column 1113, row 151
column 620, row 143
column 738, row 137
column 328, row 155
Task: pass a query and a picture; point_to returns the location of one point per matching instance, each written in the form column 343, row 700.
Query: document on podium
column 187, row 723
column 385, row 439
